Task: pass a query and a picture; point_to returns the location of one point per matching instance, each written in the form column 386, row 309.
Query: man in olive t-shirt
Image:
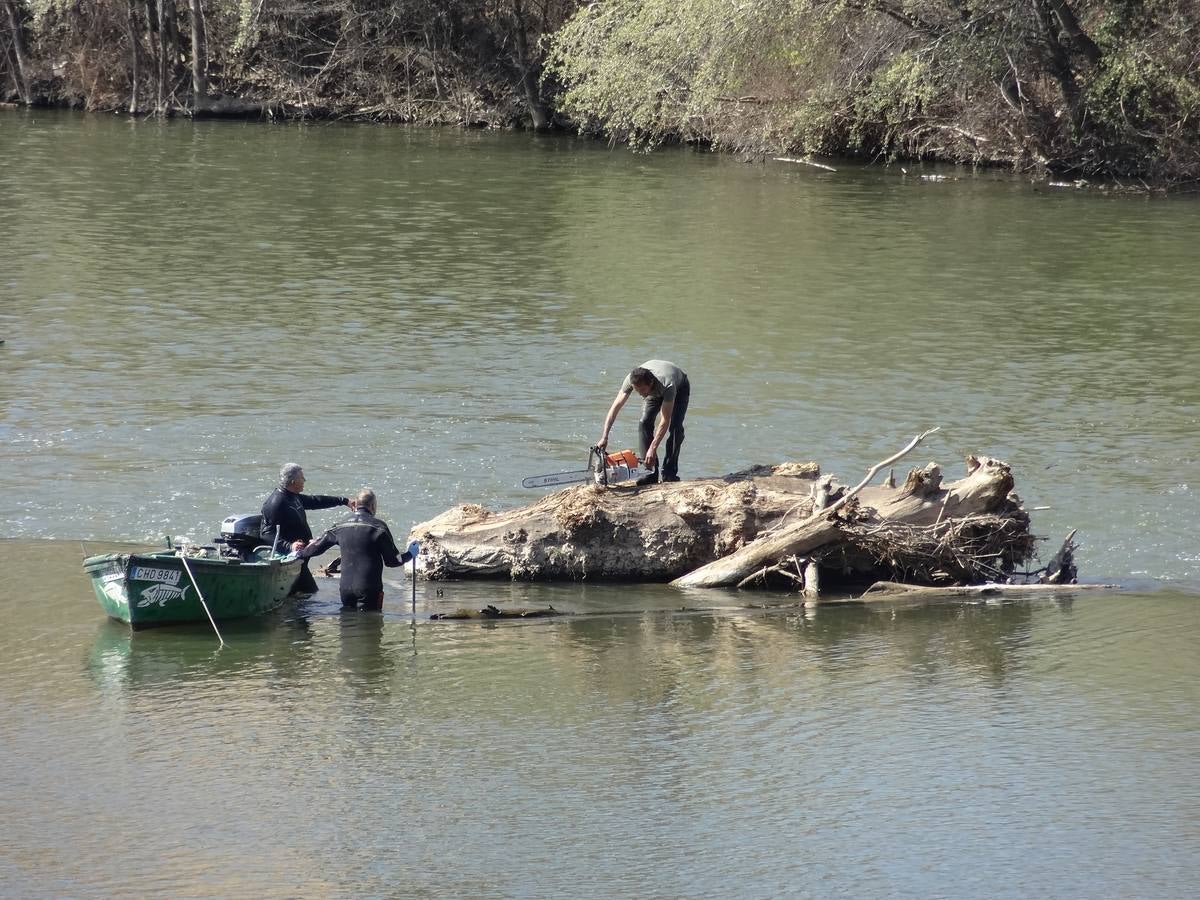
column 665, row 391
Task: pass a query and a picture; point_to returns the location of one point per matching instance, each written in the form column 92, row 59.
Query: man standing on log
column 285, row 508
column 664, row 389
column 367, row 546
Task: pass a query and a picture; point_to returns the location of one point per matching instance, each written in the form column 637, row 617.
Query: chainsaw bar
column 535, row 481
column 604, row 468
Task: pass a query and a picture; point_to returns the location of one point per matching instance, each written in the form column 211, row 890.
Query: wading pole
column 188, row 569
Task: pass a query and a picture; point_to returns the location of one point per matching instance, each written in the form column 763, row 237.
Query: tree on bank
column 1108, row 88
column 16, row 53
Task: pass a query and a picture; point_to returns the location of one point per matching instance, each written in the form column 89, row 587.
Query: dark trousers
column 668, row 461
column 352, row 599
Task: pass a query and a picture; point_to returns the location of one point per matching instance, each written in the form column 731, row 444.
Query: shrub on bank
column 1087, row 88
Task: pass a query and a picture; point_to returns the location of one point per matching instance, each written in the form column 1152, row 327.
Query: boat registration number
column 147, row 573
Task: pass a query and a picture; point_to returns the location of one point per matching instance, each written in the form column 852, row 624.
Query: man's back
column 367, row 546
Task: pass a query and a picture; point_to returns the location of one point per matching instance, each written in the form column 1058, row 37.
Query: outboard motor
column 240, row 535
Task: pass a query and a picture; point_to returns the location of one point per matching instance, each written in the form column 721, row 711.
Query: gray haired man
column 285, row 509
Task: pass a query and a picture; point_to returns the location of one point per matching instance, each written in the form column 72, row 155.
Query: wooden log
column 812, row 572
column 748, row 528
column 622, row 533
column 812, row 580
column 1061, row 568
column 494, row 612
column 888, row 590
column 803, row 538
column 920, row 501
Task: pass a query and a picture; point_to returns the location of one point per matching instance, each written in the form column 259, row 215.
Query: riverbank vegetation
column 459, row 62
column 1092, row 89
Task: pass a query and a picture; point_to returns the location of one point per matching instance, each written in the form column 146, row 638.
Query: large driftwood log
column 622, row 533
column 920, row 501
column 721, row 531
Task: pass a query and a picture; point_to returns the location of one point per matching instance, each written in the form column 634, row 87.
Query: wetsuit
column 286, row 509
column 367, row 546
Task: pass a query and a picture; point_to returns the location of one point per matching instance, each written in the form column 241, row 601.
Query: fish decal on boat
column 161, row 593
column 114, row 589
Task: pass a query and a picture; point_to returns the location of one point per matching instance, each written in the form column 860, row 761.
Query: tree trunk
column 168, row 17
column 1058, row 62
column 168, row 41
column 1070, row 26
column 155, row 68
column 16, row 24
column 528, row 75
column 199, row 58
column 135, row 68
column 720, row 531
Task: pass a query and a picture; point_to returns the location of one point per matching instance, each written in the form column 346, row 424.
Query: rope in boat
column 207, row 612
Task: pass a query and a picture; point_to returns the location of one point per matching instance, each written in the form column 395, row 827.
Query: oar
column 207, row 611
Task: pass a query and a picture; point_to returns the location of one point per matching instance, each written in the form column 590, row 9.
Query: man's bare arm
column 617, row 403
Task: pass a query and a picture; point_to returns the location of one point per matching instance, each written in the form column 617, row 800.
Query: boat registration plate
column 148, row 573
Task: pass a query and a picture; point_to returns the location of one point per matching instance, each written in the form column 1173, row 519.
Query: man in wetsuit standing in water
column 285, row 508
column 367, row 546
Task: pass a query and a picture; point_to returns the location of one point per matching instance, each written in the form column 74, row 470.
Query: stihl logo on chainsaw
column 603, row 468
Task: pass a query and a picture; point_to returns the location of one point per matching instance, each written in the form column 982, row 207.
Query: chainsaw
column 603, row 468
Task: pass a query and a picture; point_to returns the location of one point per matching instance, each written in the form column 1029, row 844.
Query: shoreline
column 262, row 114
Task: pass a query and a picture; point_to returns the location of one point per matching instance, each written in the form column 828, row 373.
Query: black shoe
column 670, row 478
column 652, row 478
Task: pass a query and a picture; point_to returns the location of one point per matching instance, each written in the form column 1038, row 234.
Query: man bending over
column 665, row 391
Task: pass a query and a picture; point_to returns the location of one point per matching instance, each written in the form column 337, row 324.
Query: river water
column 437, row 314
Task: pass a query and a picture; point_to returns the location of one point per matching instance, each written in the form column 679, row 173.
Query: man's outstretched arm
column 617, row 403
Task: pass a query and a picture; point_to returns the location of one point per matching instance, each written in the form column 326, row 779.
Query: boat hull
column 148, row 589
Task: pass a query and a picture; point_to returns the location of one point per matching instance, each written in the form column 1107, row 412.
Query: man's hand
column 299, row 545
column 651, row 460
column 602, row 444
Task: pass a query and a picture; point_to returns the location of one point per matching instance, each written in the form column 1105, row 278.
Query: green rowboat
column 155, row 588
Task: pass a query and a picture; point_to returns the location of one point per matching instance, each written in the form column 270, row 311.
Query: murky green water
column 437, row 314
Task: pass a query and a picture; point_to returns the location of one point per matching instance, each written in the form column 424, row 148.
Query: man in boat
column 285, row 508
column 665, row 390
column 367, row 546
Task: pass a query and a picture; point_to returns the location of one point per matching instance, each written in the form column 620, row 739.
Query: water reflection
column 371, row 652
column 285, row 646
column 191, row 654
column 735, row 732
column 370, row 656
